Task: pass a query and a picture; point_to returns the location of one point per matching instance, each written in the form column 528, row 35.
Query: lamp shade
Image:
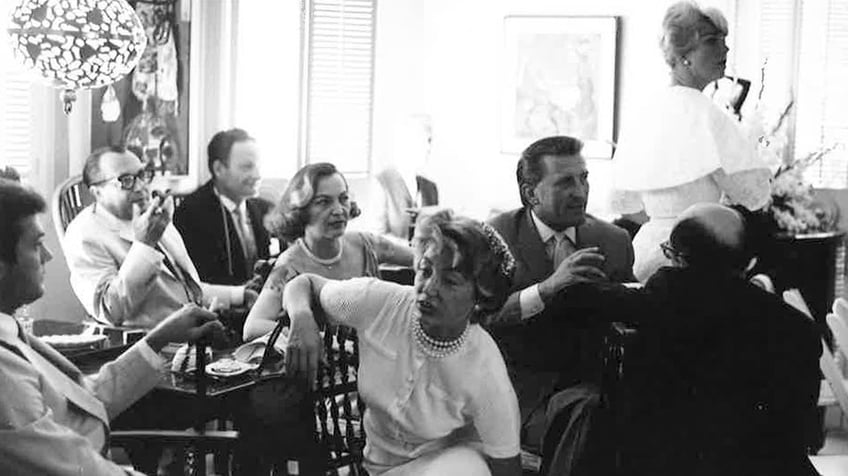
column 76, row 44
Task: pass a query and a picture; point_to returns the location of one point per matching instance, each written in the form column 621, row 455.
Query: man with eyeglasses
column 722, row 377
column 129, row 265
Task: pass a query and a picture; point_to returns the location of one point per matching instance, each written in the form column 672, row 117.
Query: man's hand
column 581, row 266
column 189, row 324
column 305, row 349
column 149, row 224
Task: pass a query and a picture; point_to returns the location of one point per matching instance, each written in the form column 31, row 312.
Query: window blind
column 340, row 83
column 822, row 114
column 15, row 115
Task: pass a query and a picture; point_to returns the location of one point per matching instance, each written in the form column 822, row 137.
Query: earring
column 686, row 62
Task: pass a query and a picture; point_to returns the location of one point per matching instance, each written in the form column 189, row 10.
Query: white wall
column 443, row 58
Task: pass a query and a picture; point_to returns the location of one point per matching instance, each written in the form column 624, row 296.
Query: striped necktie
column 192, row 289
column 563, row 248
column 247, row 240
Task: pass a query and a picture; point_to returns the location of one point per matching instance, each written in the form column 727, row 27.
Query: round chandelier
column 76, row 44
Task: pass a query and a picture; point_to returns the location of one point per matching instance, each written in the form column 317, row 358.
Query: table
column 178, row 392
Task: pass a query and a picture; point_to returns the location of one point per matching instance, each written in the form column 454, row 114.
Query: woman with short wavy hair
column 437, row 395
column 312, row 216
column 684, row 149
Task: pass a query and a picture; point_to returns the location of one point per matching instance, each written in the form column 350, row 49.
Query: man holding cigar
column 129, row 265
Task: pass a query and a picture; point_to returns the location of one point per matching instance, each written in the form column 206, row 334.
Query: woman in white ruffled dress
column 685, row 149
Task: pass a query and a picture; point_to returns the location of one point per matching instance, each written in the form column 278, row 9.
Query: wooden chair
column 338, row 408
column 69, row 198
column 837, row 322
column 834, row 388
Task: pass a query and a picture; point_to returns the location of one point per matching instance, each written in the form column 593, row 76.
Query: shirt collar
column 229, row 204
column 8, row 327
column 546, row 232
column 123, row 226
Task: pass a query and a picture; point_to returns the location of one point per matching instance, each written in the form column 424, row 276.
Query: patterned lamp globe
column 76, row 44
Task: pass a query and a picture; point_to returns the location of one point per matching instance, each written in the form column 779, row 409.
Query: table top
column 181, row 383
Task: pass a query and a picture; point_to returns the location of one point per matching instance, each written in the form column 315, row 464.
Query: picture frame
column 559, row 79
column 148, row 111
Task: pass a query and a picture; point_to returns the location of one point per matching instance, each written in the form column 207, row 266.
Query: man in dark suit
column 555, row 243
column 221, row 222
column 723, row 376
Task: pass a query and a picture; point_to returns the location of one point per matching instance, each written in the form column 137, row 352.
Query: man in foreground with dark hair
column 221, row 221
column 53, row 420
column 722, row 376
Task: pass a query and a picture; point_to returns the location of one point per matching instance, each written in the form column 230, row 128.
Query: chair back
column 69, row 198
column 827, row 361
column 338, row 408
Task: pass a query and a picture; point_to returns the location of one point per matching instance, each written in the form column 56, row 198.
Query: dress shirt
column 243, row 227
column 529, row 297
column 415, row 404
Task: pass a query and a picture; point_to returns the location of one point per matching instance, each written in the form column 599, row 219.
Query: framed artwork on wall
column 148, row 110
column 559, row 79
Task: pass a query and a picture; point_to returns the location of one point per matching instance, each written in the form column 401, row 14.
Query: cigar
column 162, row 195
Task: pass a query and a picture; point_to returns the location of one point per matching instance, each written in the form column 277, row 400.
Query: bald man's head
column 711, row 237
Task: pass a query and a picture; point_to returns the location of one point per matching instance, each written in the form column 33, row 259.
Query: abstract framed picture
column 148, row 110
column 559, row 79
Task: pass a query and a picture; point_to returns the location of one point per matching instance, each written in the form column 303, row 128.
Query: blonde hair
column 478, row 252
column 683, row 26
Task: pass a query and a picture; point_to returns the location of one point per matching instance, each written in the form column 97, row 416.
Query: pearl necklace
column 434, row 348
column 328, row 262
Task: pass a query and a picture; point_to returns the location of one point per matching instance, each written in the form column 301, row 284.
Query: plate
column 228, row 368
column 73, row 341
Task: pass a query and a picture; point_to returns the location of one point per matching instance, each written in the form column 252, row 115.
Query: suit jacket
column 124, row 282
column 722, row 378
column 51, row 421
column 539, row 352
column 398, row 198
column 207, row 228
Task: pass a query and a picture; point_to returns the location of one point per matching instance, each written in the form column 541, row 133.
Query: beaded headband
column 500, row 249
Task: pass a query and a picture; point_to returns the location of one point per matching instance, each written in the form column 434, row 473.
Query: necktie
column 247, row 241
column 563, row 247
column 192, row 289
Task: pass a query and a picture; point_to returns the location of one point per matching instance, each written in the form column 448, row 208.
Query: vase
column 813, row 263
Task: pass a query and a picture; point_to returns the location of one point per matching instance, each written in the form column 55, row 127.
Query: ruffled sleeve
column 749, row 188
column 682, row 137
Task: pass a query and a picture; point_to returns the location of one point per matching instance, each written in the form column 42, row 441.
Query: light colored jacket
column 125, row 282
column 53, row 421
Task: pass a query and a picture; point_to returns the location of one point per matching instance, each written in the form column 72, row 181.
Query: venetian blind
column 822, row 105
column 340, row 83
column 15, row 113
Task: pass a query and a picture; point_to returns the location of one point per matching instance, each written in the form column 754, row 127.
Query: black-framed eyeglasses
column 668, row 251
column 128, row 181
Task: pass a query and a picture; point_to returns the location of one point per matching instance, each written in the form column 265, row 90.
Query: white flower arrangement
column 792, row 206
